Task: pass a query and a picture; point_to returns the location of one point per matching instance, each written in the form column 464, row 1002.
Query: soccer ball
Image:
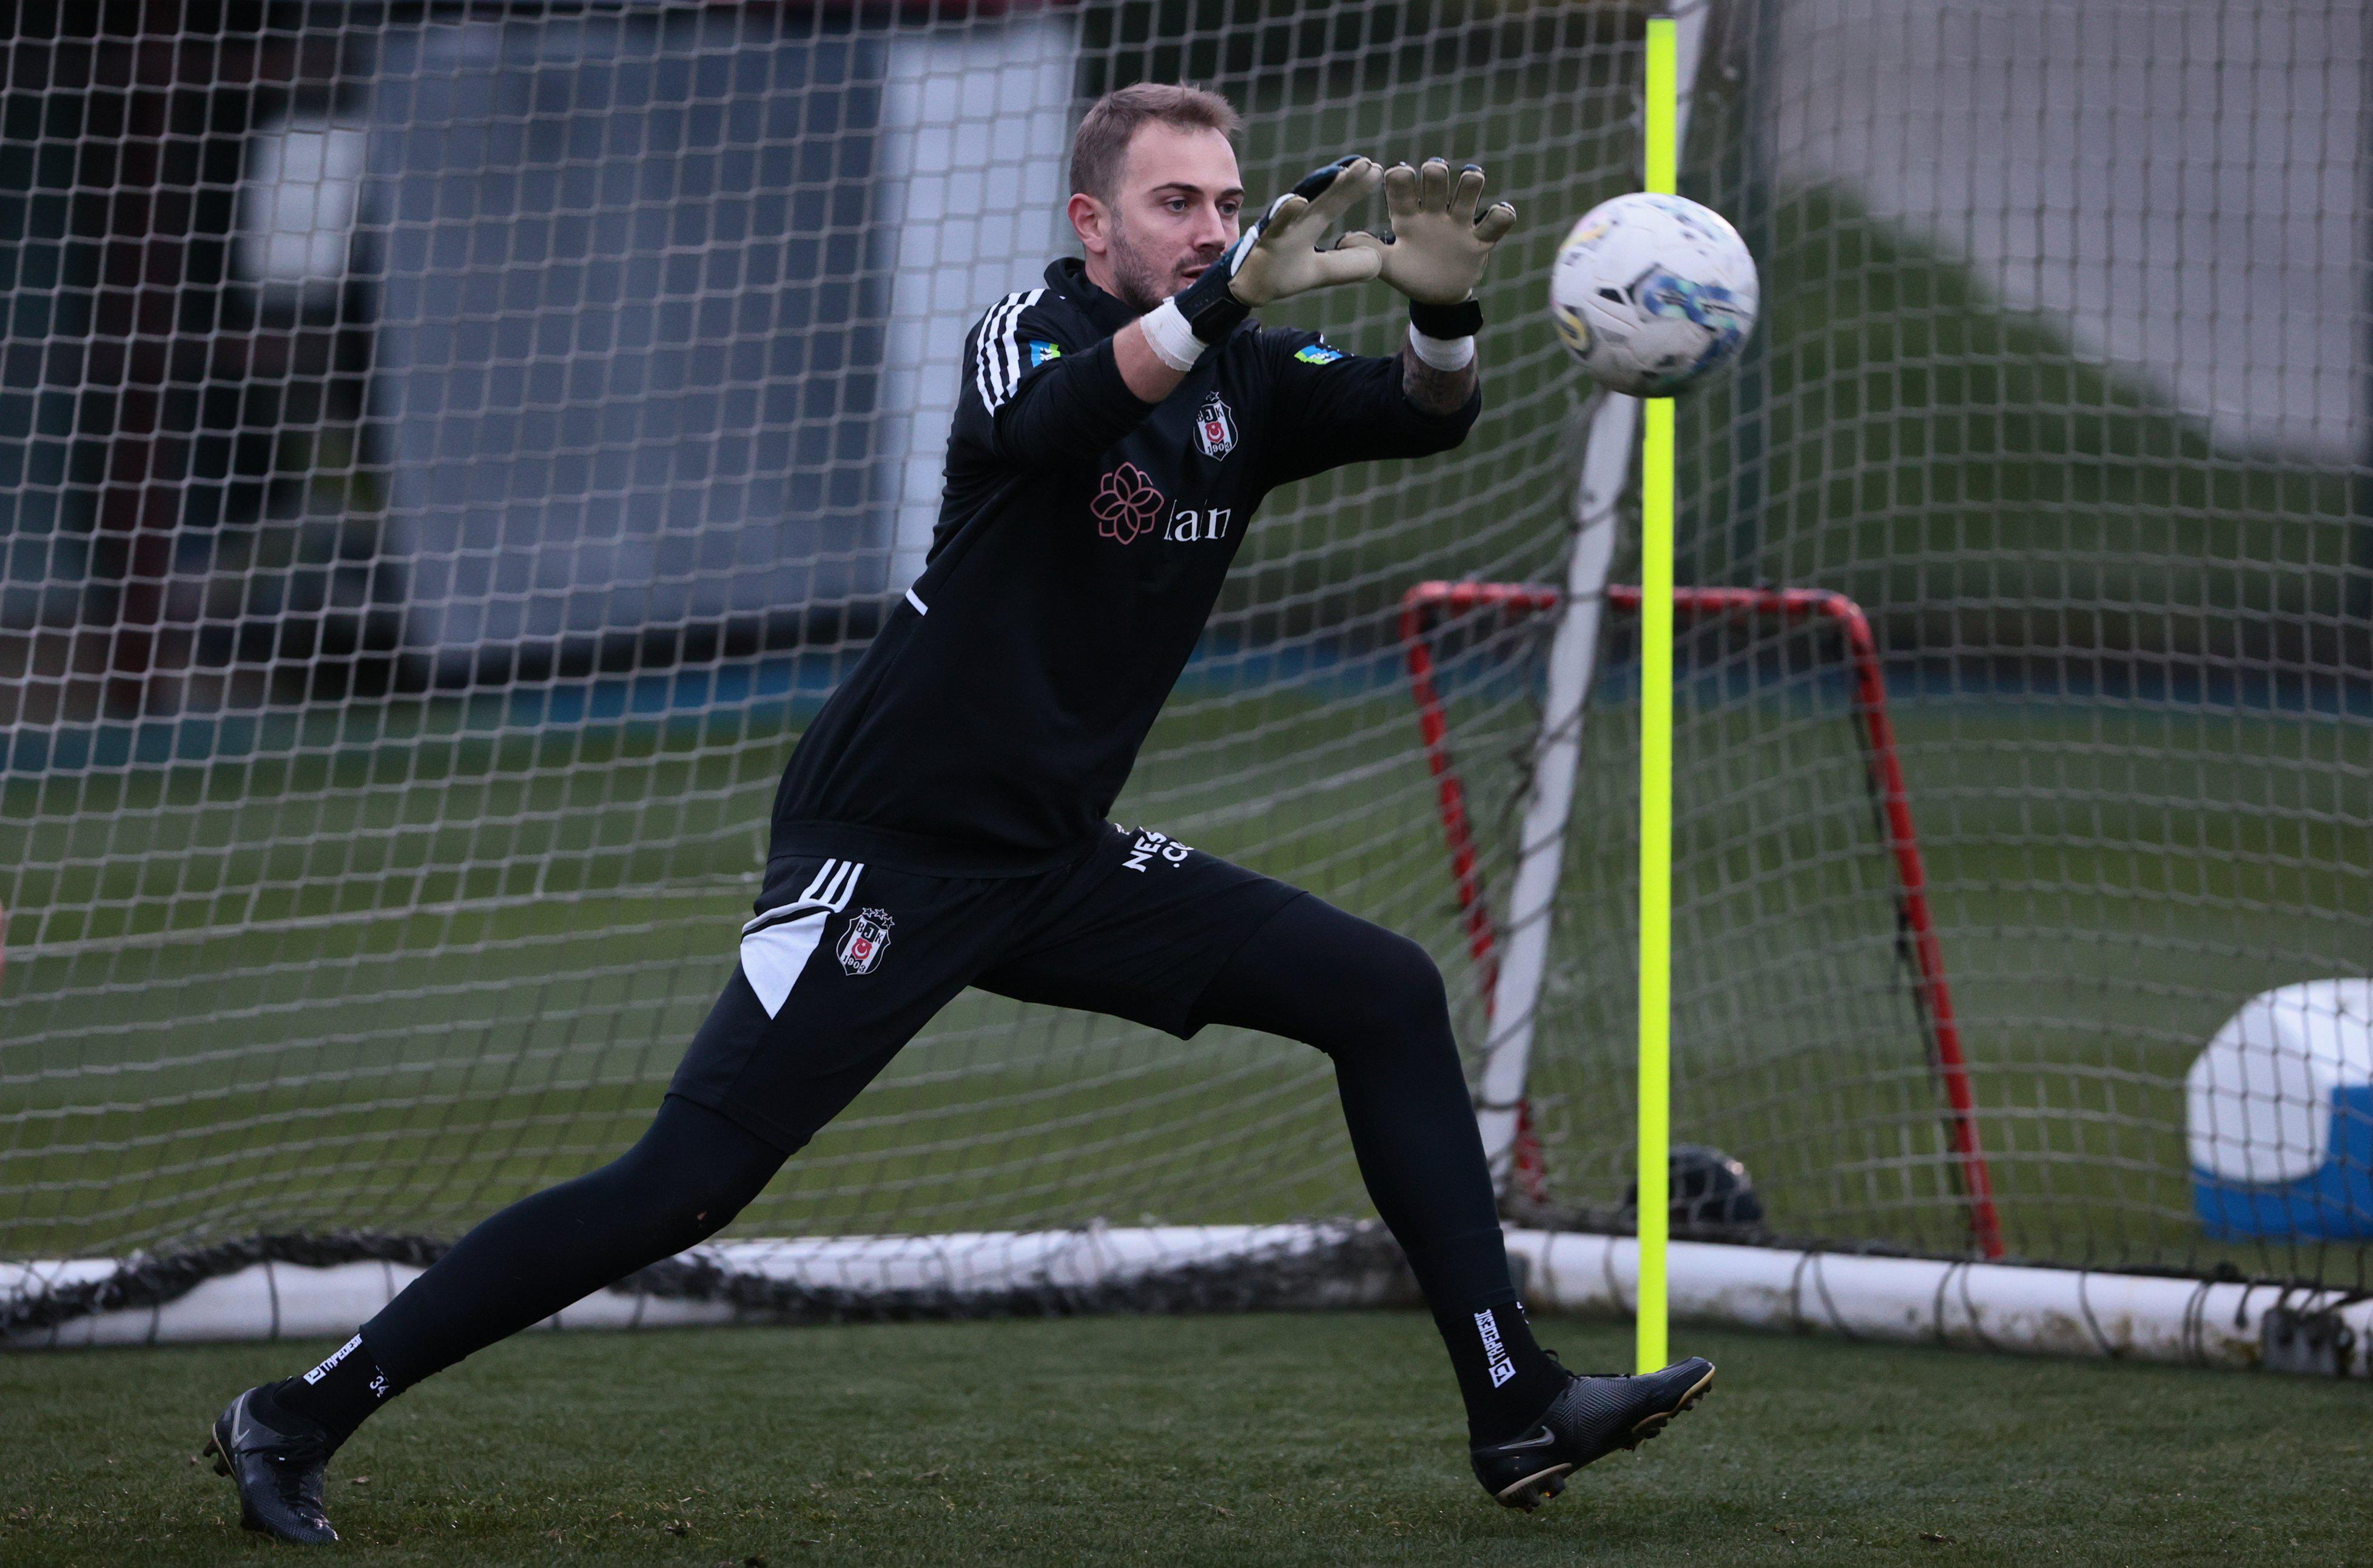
column 1652, row 293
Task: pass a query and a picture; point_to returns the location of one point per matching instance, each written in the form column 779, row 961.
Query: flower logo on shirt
column 1126, row 504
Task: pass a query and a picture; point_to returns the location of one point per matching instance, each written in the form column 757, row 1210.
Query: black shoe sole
column 1539, row 1487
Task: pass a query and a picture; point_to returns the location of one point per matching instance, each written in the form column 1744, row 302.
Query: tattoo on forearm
column 1436, row 391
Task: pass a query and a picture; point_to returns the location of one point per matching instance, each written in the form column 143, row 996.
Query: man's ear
column 1089, row 221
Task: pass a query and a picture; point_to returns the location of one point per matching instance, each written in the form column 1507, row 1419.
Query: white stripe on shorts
column 775, row 948
column 830, row 890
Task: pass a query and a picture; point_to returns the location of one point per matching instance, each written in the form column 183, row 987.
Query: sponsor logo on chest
column 1128, row 506
column 1215, row 428
column 1189, row 526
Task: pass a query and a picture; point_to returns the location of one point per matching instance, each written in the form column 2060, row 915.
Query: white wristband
column 1172, row 341
column 1443, row 353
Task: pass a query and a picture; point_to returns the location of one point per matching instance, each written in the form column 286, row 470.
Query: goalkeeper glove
column 1275, row 259
column 1436, row 253
column 1439, row 245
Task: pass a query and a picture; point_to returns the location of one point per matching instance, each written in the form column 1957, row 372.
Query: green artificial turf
column 1289, row 1439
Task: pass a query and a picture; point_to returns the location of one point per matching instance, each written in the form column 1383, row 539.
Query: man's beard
column 1139, row 282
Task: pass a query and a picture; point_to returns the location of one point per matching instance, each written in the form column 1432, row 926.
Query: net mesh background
column 447, row 453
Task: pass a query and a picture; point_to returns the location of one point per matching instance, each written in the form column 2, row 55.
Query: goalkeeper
column 941, row 823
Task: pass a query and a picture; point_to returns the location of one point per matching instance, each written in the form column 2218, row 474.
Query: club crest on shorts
column 1215, row 427
column 861, row 944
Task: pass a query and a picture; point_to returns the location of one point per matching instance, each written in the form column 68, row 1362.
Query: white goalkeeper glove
column 1275, row 258
column 1439, row 244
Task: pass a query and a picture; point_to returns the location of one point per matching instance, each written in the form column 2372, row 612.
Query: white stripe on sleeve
column 981, row 356
column 999, row 368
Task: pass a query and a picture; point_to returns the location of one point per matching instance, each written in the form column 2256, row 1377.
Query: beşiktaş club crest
column 861, row 944
column 1215, row 428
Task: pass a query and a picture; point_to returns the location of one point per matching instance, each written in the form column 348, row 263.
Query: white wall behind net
column 2180, row 181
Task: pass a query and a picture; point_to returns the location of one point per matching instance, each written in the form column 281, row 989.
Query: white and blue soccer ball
column 1652, row 294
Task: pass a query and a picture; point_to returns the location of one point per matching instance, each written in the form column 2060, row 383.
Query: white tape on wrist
column 1443, row 353
column 1172, row 341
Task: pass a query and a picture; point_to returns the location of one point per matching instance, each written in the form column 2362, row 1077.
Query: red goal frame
column 1932, row 991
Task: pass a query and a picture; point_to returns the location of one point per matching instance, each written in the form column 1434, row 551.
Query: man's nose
column 1212, row 230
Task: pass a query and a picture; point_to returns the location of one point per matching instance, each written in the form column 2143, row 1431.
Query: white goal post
column 1963, row 1304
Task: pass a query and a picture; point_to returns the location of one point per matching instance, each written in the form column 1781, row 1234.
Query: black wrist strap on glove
column 1462, row 319
column 1210, row 311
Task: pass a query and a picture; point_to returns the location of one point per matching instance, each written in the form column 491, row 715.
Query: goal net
column 448, row 451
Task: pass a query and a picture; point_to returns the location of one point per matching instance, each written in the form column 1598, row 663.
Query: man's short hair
column 1100, row 150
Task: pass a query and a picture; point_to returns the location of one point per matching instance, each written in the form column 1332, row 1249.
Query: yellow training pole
column 1662, row 115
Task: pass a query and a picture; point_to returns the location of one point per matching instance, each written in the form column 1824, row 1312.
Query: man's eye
column 1175, row 204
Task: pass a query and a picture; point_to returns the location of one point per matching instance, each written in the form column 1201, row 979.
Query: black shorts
column 846, row 963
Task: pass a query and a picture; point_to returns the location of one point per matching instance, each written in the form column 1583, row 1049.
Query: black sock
column 1506, row 1378
column 337, row 1394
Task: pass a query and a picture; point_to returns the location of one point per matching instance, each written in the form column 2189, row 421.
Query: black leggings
column 1373, row 1001
column 1370, row 999
column 686, row 1178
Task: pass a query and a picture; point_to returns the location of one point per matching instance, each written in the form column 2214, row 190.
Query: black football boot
column 277, row 1464
column 1593, row 1417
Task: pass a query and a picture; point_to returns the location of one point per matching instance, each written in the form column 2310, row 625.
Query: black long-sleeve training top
column 1083, row 535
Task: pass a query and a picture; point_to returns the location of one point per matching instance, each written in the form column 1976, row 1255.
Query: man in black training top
column 941, row 823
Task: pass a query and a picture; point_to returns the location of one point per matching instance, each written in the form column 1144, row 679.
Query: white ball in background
column 2279, row 1115
column 1653, row 293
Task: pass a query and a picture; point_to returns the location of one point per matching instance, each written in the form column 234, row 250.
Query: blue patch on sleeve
column 1042, row 351
column 1319, row 353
